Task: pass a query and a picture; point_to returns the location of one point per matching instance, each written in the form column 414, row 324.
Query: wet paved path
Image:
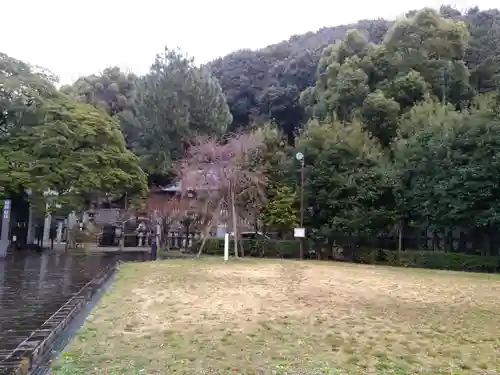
column 34, row 286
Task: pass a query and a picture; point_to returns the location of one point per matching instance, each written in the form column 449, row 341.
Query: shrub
column 213, row 246
column 365, row 255
column 83, row 236
column 253, row 248
column 417, row 259
column 449, row 261
column 427, row 259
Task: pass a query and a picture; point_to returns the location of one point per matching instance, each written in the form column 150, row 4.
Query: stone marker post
column 59, row 231
column 46, row 227
column 4, row 237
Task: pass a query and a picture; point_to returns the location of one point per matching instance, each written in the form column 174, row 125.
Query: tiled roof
column 205, row 179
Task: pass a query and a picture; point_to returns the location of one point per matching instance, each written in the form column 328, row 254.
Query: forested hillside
column 388, row 108
column 267, row 83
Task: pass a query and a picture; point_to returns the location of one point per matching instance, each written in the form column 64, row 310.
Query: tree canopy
column 50, row 142
column 175, row 102
column 397, row 120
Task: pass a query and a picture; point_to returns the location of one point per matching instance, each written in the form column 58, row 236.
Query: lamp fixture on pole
column 300, row 232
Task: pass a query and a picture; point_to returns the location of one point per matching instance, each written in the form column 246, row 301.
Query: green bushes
column 427, row 259
column 450, row 261
column 254, row 248
column 415, row 259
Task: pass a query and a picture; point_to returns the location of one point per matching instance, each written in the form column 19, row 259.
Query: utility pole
column 302, row 206
column 300, row 157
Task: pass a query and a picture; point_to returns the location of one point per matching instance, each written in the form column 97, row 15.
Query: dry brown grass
column 290, row 317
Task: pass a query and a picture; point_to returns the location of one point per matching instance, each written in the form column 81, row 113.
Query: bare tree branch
column 224, row 175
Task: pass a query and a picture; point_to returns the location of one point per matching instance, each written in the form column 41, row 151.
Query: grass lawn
column 289, row 317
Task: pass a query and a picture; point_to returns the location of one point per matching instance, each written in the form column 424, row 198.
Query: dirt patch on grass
column 289, row 317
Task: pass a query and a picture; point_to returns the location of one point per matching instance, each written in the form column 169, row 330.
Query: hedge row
column 428, row 259
column 254, row 248
column 416, row 259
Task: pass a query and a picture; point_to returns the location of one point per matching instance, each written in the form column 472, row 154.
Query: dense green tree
column 420, row 55
column 353, row 44
column 246, row 75
column 297, row 70
column 22, row 88
column 243, row 75
column 175, row 102
column 380, row 116
column 280, row 213
column 113, row 91
column 344, row 189
column 76, row 150
column 435, row 47
column 447, row 165
column 282, row 106
column 407, row 90
column 483, row 51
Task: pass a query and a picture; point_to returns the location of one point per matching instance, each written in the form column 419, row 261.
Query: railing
column 175, row 239
column 179, row 240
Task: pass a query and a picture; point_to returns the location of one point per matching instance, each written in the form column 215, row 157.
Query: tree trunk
column 67, row 246
column 164, row 230
column 186, row 243
column 242, row 249
column 400, row 239
column 462, row 243
column 204, row 239
column 448, row 247
column 435, row 241
column 206, row 230
column 486, row 248
column 235, row 223
column 122, row 238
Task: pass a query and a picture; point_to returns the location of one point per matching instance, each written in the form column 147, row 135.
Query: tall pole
column 302, row 206
column 299, row 156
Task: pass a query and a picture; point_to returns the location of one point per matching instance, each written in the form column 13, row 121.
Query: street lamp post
column 300, row 157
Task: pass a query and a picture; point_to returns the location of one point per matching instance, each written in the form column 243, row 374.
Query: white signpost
column 226, row 247
column 299, row 232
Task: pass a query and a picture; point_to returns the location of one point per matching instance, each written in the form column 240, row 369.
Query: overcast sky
column 80, row 37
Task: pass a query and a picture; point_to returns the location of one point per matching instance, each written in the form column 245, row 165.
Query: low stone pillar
column 59, row 232
column 30, row 235
column 4, row 236
column 46, row 227
column 85, row 218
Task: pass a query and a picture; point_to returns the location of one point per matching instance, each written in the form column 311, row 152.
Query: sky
column 82, row 37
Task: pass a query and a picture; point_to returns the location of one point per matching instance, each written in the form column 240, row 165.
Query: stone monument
column 4, row 236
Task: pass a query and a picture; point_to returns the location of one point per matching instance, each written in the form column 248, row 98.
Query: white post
column 226, row 247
